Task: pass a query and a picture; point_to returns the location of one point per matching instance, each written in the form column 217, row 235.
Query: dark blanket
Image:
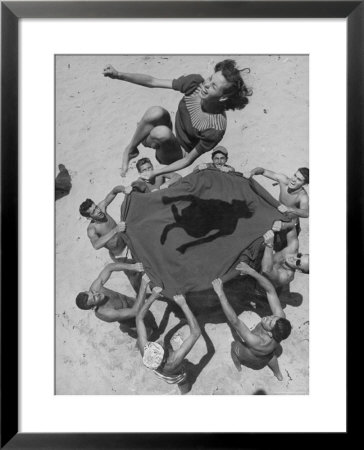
column 198, row 229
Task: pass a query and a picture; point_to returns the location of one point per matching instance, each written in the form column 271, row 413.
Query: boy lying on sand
column 280, row 267
column 111, row 306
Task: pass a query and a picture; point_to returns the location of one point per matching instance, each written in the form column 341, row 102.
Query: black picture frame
column 11, row 12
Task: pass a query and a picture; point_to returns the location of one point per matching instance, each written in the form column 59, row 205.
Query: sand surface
column 95, row 119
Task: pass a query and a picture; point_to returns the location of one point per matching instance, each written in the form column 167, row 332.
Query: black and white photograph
column 181, row 224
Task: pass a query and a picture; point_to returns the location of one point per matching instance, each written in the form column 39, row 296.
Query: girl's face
column 214, row 87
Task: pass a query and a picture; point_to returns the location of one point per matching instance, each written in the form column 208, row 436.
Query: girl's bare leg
column 153, row 117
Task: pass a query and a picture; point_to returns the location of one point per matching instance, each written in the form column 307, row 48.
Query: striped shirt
column 196, row 128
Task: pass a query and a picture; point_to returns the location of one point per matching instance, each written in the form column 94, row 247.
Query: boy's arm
column 112, row 194
column 303, row 210
column 273, row 300
column 169, row 179
column 268, row 256
column 285, row 226
column 236, row 323
column 109, row 269
column 269, row 174
column 142, row 332
column 99, row 242
column 195, row 332
column 200, row 167
column 136, row 78
column 141, row 294
column 113, row 315
column 177, row 165
column 267, row 261
column 292, row 241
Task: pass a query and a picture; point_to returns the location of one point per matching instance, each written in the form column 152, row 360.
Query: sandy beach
column 95, row 119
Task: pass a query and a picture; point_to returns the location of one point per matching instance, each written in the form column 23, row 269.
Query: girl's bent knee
column 155, row 114
column 161, row 133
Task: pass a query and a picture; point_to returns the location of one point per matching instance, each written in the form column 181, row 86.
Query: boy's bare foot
column 278, row 375
column 235, row 358
column 274, row 367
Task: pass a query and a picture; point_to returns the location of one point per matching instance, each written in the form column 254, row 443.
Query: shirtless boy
column 292, row 195
column 103, row 231
column 143, row 184
column 166, row 363
column 256, row 348
column 111, row 306
column 280, row 267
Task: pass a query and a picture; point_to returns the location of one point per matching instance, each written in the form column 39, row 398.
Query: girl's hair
column 238, row 92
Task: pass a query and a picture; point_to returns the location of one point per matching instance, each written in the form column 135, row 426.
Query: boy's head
column 144, row 165
column 90, row 210
column 305, row 172
column 85, row 207
column 219, row 156
column 298, row 261
column 82, row 301
column 300, row 178
column 88, row 299
column 227, row 86
column 279, row 327
column 281, row 330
